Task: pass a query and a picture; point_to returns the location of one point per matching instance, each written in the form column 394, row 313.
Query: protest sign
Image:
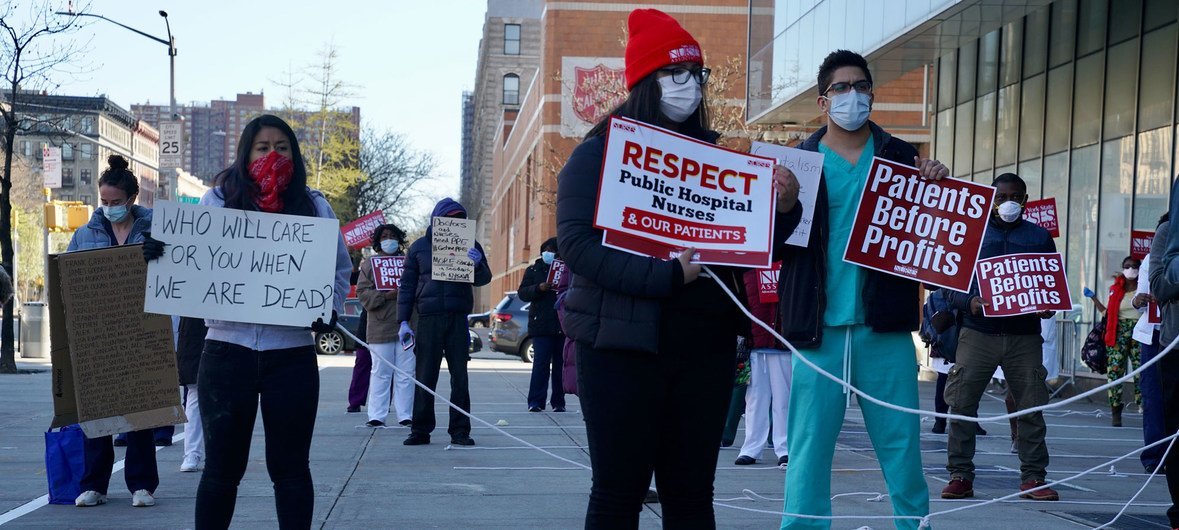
column 387, row 272
column 661, row 192
column 1017, row 284
column 807, row 167
column 1043, row 213
column 1154, row 314
column 451, row 238
column 1140, row 241
column 559, row 275
column 114, row 366
column 925, row 230
column 242, row 266
column 358, row 233
column 767, row 283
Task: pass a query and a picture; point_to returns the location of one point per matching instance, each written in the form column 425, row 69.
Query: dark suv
column 509, row 327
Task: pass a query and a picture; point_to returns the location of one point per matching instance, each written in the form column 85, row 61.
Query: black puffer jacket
column 891, row 303
column 426, row 296
column 542, row 311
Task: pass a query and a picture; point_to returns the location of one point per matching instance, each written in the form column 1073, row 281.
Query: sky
column 409, row 60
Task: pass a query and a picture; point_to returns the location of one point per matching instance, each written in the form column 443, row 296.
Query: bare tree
column 394, row 175
column 35, row 47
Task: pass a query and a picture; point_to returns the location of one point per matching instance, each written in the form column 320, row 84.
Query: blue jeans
column 1153, row 415
column 547, row 357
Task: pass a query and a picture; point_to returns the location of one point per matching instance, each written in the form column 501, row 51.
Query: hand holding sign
column 691, row 270
column 931, row 169
column 786, row 186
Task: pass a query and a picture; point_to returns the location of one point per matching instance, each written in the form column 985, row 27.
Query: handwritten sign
column 387, row 272
column 929, row 231
column 1043, row 213
column 559, row 275
column 358, row 233
column 451, row 238
column 1018, row 284
column 807, row 167
column 661, row 192
column 1140, row 241
column 767, row 283
column 242, row 266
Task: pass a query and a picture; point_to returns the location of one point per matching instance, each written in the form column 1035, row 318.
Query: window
column 947, row 67
column 511, row 39
column 1120, row 88
column 27, row 148
column 1087, row 99
column 1035, row 43
column 67, row 151
column 1117, row 188
column 88, row 125
column 1158, row 67
column 967, row 73
column 1010, row 66
column 1006, row 128
column 1082, row 221
column 984, row 132
column 963, row 138
column 67, row 174
column 1062, row 40
column 86, row 199
column 85, row 174
column 511, row 89
column 1059, row 107
column 1091, row 26
column 988, row 63
column 1153, row 185
column 87, row 151
column 1031, row 118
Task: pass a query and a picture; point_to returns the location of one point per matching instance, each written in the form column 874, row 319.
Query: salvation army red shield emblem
column 596, row 91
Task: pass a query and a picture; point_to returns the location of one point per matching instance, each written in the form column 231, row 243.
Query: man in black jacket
column 543, row 330
column 440, row 309
column 846, row 319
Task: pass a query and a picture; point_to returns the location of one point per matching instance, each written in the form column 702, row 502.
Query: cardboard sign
column 387, row 272
column 242, row 266
column 767, row 283
column 51, row 167
column 359, row 233
column 114, row 366
column 1140, row 241
column 924, row 230
column 559, row 275
column 661, row 192
column 1018, row 284
column 807, row 167
column 451, row 238
column 1043, row 213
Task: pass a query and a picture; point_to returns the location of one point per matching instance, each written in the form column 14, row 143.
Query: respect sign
column 358, row 233
column 1017, row 284
column 387, row 272
column 1043, row 213
column 558, row 276
column 242, row 266
column 660, row 192
column 924, row 230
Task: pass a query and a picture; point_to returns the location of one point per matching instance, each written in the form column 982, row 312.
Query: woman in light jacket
column 388, row 240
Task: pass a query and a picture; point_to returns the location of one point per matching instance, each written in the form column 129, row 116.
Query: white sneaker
column 90, row 498
column 192, row 463
column 142, row 498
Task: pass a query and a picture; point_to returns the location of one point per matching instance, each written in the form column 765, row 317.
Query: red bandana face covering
column 273, row 174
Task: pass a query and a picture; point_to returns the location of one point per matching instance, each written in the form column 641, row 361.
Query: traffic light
column 67, row 216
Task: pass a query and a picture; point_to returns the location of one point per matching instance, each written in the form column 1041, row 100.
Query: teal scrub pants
column 884, row 366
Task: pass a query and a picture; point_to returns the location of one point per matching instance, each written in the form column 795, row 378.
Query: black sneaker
column 535, row 409
column 461, row 439
column 417, row 439
column 784, row 460
column 939, row 426
column 375, row 423
column 353, row 410
column 558, row 409
column 745, row 461
column 405, row 423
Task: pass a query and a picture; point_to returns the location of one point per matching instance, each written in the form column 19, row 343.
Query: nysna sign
column 924, row 230
column 661, row 192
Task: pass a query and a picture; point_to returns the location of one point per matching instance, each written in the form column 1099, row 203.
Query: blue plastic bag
column 65, row 461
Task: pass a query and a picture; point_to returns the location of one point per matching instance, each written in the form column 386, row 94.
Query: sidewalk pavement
column 367, row 478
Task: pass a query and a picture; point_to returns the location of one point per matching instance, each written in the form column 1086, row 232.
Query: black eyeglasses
column 863, row 86
column 681, row 75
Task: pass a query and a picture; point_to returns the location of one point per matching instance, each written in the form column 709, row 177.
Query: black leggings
column 232, row 378
column 659, row 413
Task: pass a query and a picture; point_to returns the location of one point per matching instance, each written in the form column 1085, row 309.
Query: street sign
column 51, row 166
column 171, row 144
column 188, row 200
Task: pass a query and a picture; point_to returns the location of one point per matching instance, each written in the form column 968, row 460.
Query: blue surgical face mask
column 115, row 214
column 389, row 246
column 548, row 257
column 850, row 110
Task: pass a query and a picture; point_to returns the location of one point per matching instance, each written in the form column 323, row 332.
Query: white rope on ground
column 1144, row 485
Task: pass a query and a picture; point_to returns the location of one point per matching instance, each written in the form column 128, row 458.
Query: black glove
column 152, row 248
column 320, row 327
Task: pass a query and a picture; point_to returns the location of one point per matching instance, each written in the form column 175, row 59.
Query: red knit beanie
column 656, row 40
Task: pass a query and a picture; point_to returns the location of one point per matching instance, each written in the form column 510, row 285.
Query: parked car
column 479, row 320
column 509, row 327
column 333, row 342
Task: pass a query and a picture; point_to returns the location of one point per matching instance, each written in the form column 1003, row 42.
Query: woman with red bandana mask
column 243, row 364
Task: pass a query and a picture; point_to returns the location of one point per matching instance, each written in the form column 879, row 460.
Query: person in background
column 190, row 340
column 768, row 396
column 363, row 366
column 1121, row 315
column 737, row 396
column 440, row 309
column 545, row 330
column 118, row 222
column 1147, row 335
column 244, row 364
column 381, row 306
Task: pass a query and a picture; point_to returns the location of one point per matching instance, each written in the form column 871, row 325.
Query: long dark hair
column 238, row 189
column 642, row 104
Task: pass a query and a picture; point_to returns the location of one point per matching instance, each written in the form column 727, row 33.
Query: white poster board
column 240, row 266
column 451, row 238
column 807, row 167
column 51, row 166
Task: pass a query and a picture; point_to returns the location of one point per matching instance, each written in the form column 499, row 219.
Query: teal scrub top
column 845, row 282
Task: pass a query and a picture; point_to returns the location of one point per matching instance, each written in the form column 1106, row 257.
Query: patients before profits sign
column 387, row 272
column 242, row 266
column 1018, row 284
column 661, row 192
column 929, row 231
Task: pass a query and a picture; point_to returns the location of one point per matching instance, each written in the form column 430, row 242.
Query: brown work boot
column 958, row 488
column 1042, row 494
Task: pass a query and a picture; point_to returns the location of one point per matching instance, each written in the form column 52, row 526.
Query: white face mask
column 850, row 110
column 1010, row 211
column 1131, row 274
column 679, row 100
